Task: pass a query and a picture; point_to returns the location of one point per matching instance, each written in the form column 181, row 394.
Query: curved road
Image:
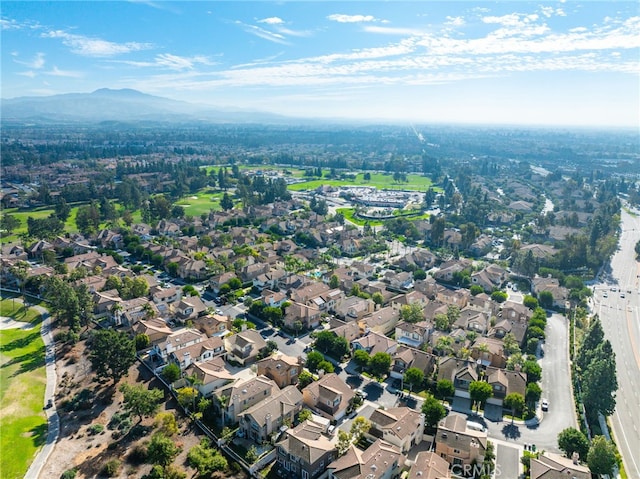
column 49, row 394
column 619, row 312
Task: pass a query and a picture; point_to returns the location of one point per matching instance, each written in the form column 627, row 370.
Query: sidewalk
column 49, row 394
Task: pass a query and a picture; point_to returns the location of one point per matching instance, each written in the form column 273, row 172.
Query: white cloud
column 263, row 33
column 94, row 47
column 455, row 21
column 293, row 33
column 401, row 31
column 56, row 72
column 175, row 62
column 272, row 21
column 341, row 18
column 28, row 73
column 36, row 63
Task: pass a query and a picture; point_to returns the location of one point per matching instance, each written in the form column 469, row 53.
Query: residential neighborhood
column 325, row 332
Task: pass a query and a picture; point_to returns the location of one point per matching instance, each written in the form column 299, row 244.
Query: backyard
column 22, row 383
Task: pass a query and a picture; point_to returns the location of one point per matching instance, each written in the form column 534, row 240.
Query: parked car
column 361, row 393
column 544, row 405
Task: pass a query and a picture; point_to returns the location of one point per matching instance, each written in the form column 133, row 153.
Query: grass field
column 43, row 212
column 378, row 180
column 22, row 384
column 201, row 202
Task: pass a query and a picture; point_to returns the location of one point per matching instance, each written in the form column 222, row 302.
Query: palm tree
column 116, row 313
column 223, row 402
column 149, row 311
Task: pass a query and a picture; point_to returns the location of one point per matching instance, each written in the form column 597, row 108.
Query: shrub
column 138, row 454
column 95, row 429
column 110, row 469
column 69, row 473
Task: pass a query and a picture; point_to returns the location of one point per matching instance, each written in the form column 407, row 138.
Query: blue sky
column 541, row 63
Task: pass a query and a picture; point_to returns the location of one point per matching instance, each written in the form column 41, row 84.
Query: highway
column 617, row 302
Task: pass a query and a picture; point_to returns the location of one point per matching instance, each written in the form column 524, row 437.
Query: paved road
column 556, row 386
column 621, row 322
column 49, row 394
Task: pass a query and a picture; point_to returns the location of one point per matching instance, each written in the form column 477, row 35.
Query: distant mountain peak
column 124, row 92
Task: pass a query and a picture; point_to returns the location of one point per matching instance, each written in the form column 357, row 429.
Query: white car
column 544, row 405
column 361, row 393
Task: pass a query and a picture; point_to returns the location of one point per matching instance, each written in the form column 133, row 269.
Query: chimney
column 268, row 423
column 575, row 457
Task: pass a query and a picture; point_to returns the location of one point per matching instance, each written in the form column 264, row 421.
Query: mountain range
column 124, row 105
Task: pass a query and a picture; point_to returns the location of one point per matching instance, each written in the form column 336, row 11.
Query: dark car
column 397, row 384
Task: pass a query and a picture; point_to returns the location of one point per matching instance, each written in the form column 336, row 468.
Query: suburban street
column 617, row 302
column 556, row 387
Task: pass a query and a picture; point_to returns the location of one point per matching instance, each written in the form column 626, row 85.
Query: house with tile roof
column 459, row 444
column 241, row 395
column 329, row 396
column 401, row 426
column 428, row 465
column 265, row 418
column 305, row 451
column 244, row 347
column 554, row 466
column 381, row 460
column 283, row 369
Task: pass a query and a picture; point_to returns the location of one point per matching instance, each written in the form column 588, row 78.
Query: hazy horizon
column 476, row 63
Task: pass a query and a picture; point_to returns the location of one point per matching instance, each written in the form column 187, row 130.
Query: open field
column 43, row 212
column 378, row 180
column 22, row 384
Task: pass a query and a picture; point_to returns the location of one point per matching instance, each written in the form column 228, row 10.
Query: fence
column 230, row 453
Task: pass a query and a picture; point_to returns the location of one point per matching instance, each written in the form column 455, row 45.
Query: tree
column 379, row 364
column 480, row 391
column 499, row 296
column 226, row 203
column 140, row 401
column 304, row 415
column 171, row 372
column 413, row 377
column 601, row 457
column 142, row 341
column 572, row 440
column 545, row 299
column 533, row 393
column 593, row 338
column 412, row 313
column 334, row 281
column 161, row 450
column 9, row 223
column 476, row 289
column 359, row 427
column 445, row 389
column 533, row 371
column 515, row 402
column 344, row 441
column 304, row 379
column 530, row 302
column 599, row 386
column 361, row 358
column 166, row 423
column 112, row 354
column 433, row 411
column 206, row 459
column 326, row 366
column 313, row 359
column 510, row 344
column 377, row 298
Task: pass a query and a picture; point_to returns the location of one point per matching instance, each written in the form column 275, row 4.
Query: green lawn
column 22, row 384
column 201, row 202
column 378, row 180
